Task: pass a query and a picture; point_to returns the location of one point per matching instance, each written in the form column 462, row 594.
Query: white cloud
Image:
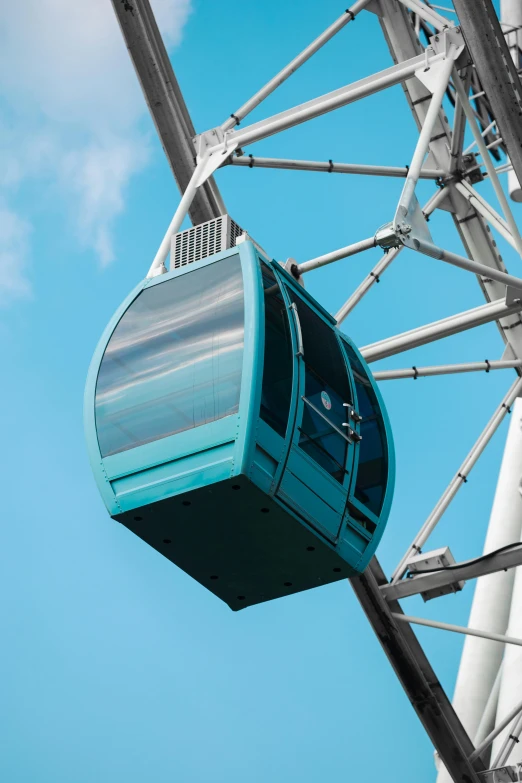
column 97, row 175
column 14, row 241
column 74, row 108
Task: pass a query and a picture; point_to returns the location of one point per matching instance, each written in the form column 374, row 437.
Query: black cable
column 480, row 559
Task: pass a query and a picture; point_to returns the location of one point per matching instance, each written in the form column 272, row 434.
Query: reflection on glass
column 174, row 359
column 276, row 391
column 326, row 388
column 373, row 456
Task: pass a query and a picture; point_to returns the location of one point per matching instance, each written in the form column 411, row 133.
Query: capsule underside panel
column 231, row 530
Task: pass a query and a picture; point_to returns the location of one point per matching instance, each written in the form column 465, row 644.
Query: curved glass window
column 276, row 392
column 174, row 360
column 327, row 388
column 372, row 473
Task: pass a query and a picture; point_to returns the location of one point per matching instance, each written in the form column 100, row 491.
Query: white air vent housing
column 203, row 240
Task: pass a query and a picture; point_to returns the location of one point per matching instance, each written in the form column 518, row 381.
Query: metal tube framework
column 425, row 75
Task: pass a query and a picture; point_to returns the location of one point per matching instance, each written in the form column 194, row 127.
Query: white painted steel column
column 491, row 603
column 511, row 677
column 511, row 20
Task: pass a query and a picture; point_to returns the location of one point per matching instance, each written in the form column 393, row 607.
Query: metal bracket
column 213, row 147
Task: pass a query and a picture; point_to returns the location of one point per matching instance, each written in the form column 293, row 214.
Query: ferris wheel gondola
column 236, row 430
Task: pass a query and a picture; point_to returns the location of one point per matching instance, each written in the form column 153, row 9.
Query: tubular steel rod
column 439, row 329
column 423, row 141
column 459, row 479
column 329, row 102
column 446, row 369
column 508, row 744
column 367, row 283
column 490, row 709
column 490, row 168
column 329, row 167
column 177, row 220
column 499, row 728
column 433, row 251
column 384, row 263
column 165, row 102
column 495, row 637
column 282, row 76
column 336, row 255
column 482, row 133
column 486, row 210
column 432, row 17
column 472, row 569
column 416, row 676
column 496, row 71
column 459, row 129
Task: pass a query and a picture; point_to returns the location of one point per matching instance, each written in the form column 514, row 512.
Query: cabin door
column 317, row 475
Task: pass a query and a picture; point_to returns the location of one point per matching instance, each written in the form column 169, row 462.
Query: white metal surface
column 330, row 167
column 348, row 16
column 511, row 678
column 446, row 369
column 511, row 22
column 465, row 630
column 460, row 477
column 481, row 660
column 437, row 330
column 426, row 72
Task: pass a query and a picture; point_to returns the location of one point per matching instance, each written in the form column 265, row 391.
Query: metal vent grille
column 203, row 241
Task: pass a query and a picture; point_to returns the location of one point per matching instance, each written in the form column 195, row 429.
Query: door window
column 276, row 391
column 372, row 472
column 326, row 390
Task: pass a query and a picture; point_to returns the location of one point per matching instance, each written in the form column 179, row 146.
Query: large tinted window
column 278, row 362
column 174, row 359
column 326, row 390
column 373, row 454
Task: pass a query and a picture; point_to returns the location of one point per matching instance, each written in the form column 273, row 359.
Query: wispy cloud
column 14, row 241
column 74, row 108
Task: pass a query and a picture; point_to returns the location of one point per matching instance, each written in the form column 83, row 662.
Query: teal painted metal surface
column 225, row 427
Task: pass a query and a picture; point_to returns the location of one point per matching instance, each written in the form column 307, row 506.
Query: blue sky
column 116, row 665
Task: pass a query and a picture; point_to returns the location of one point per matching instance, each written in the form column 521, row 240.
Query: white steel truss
column 434, row 67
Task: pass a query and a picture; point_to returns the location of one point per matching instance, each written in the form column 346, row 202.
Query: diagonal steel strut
column 176, row 132
column 165, row 103
column 416, row 676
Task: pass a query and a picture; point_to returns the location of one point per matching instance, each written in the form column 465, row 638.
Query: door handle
column 352, row 413
column 293, row 308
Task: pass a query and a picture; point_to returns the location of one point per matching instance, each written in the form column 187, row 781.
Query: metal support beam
column 496, row 70
column 446, row 369
column 437, row 330
column 348, row 16
column 416, row 676
column 487, row 212
column 336, row 255
column 384, row 263
column 488, row 163
column 499, row 728
column 433, row 251
column 165, row 103
column 472, row 569
column 329, row 167
column 495, row 637
column 459, row 478
column 323, row 104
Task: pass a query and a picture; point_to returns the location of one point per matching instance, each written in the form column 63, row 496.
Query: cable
column 411, row 575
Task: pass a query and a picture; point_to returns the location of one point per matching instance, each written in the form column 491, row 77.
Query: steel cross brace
column 416, row 676
column 165, row 102
column 399, row 642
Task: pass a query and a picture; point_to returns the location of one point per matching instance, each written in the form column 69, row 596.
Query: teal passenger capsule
column 235, row 429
